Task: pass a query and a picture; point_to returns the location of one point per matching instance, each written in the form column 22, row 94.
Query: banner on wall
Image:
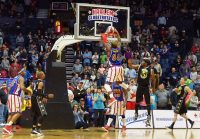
column 5, row 80
column 160, row 119
column 164, row 118
column 195, row 116
column 131, row 123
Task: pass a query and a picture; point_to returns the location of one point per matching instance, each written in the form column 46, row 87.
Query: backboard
column 92, row 20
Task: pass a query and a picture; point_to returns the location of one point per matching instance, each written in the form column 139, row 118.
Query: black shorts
column 143, row 90
column 35, row 107
column 182, row 110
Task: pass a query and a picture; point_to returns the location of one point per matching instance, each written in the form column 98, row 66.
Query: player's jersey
column 15, row 86
column 115, row 57
column 117, row 92
column 35, row 88
column 144, row 75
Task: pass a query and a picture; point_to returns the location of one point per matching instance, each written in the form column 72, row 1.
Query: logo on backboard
column 103, row 14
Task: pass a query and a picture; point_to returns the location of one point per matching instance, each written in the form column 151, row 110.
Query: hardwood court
column 96, row 133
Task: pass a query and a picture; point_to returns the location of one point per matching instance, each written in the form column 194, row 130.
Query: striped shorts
column 115, row 73
column 14, row 104
column 117, row 108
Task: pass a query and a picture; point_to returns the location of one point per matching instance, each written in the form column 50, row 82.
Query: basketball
column 111, row 29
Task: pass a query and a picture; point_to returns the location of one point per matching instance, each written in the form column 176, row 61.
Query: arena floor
column 95, row 133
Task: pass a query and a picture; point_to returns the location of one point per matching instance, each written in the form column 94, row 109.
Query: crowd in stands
column 18, row 8
column 172, row 57
column 154, row 8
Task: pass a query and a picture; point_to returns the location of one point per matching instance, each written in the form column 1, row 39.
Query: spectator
column 173, row 77
column 78, row 54
column 194, row 102
column 71, row 99
column 158, row 69
column 164, row 54
column 87, row 71
column 75, row 80
column 155, row 50
column 178, row 62
column 154, row 77
column 88, row 99
column 162, row 21
column 5, row 64
column 154, row 100
column 78, row 117
column 86, row 82
column 98, row 106
column 93, row 84
column 3, row 73
column 87, row 58
column 145, row 54
column 5, row 50
column 84, row 110
column 14, row 69
column 103, row 58
column 193, row 74
column 77, row 68
column 136, row 58
column 163, row 97
column 79, row 92
column 197, row 81
column 3, row 102
column 131, row 74
column 20, row 40
column 126, row 69
column 34, row 58
column 131, row 96
column 101, row 75
column 101, row 69
column 70, row 87
column 128, row 54
column 184, row 69
column 95, row 59
column 194, row 59
column 173, row 37
column 93, row 76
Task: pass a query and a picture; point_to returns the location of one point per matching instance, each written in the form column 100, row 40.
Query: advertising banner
column 131, row 123
column 163, row 118
column 194, row 116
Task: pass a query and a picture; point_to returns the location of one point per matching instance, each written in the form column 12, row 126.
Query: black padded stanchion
column 60, row 115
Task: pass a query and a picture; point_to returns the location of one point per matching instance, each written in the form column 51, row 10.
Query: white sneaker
column 36, row 133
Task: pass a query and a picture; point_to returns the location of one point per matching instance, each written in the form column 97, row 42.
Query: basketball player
column 113, row 50
column 118, row 107
column 38, row 99
column 15, row 101
column 181, row 108
column 144, row 75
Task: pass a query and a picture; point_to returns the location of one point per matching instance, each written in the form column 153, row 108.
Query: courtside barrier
column 159, row 119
